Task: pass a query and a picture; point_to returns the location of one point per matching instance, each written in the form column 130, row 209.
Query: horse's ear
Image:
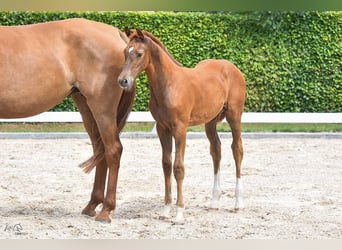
column 140, row 34
column 127, row 31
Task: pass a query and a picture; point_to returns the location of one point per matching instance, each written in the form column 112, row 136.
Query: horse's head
column 136, row 58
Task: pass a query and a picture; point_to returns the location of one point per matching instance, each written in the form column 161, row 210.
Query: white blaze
column 130, row 49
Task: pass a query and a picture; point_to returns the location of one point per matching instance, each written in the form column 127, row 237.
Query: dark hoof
column 89, row 213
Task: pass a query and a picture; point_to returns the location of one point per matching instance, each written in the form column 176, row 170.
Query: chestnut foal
column 182, row 97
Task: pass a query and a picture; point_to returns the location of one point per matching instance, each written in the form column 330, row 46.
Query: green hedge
column 292, row 61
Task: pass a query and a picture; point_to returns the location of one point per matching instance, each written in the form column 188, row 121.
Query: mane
column 161, row 45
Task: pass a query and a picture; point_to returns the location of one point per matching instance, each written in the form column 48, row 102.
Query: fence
column 147, row 117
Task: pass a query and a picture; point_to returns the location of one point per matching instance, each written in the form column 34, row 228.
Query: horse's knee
column 117, row 149
column 167, row 163
column 114, row 152
column 178, row 171
column 237, row 145
column 215, row 151
column 167, row 170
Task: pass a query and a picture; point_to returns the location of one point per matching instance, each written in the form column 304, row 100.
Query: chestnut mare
column 41, row 64
column 182, row 97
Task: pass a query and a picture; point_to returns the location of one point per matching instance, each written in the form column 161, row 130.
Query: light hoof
column 179, row 219
column 214, row 204
column 239, row 205
column 162, row 217
column 165, row 213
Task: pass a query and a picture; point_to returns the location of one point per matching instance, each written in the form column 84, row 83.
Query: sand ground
column 292, row 190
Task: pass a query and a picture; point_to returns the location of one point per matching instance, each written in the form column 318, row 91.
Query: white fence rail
column 147, row 117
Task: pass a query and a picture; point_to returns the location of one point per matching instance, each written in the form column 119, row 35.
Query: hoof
column 90, row 213
column 239, row 205
column 103, row 220
column 214, row 205
column 165, row 213
column 103, row 217
column 237, row 210
column 162, row 217
column 178, row 221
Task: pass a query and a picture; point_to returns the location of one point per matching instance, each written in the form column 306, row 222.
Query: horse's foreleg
column 166, row 143
column 215, row 151
column 234, row 120
column 90, row 125
column 178, row 171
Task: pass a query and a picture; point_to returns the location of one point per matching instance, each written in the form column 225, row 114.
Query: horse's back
column 19, row 39
column 219, row 71
column 222, row 65
column 224, row 72
column 39, row 63
column 218, row 81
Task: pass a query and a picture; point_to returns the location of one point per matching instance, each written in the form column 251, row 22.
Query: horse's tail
column 98, row 156
column 124, row 108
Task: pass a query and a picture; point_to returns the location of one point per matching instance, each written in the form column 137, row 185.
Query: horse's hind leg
column 166, row 143
column 89, row 122
column 179, row 134
column 215, row 151
column 234, row 119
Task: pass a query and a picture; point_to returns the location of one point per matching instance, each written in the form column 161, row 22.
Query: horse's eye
column 139, row 54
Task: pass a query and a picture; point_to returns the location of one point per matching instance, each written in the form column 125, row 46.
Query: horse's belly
column 203, row 116
column 22, row 110
column 31, row 88
column 206, row 107
column 29, row 101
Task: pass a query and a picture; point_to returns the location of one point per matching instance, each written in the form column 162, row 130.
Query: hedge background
column 292, row 61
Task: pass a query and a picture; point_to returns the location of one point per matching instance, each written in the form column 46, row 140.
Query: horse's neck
column 160, row 69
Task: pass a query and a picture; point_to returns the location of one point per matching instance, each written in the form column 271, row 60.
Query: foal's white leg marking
column 165, row 213
column 238, row 194
column 179, row 219
column 216, row 192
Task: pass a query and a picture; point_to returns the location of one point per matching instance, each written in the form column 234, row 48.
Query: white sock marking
column 238, row 194
column 179, row 219
column 216, row 192
column 165, row 213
